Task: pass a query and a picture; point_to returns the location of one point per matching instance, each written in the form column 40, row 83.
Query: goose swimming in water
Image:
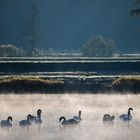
column 26, row 122
column 63, row 121
column 7, row 123
column 78, row 118
column 36, row 118
column 107, row 117
column 127, row 117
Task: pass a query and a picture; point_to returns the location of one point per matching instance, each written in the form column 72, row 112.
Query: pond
column 53, row 106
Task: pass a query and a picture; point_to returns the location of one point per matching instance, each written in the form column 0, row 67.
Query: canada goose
column 6, row 123
column 127, row 117
column 78, row 118
column 26, row 122
column 107, row 117
column 63, row 121
column 38, row 117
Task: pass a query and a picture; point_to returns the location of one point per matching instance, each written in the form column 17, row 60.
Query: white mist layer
column 54, row 106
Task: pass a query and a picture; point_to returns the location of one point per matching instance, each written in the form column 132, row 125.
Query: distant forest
column 95, row 46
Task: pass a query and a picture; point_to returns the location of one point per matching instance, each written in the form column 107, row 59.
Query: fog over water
column 54, row 106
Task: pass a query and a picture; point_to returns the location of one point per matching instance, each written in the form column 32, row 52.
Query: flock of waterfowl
column 124, row 117
column 62, row 120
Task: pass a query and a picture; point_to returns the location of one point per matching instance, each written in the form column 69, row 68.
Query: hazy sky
column 69, row 23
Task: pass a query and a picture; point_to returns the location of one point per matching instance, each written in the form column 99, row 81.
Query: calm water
column 53, row 106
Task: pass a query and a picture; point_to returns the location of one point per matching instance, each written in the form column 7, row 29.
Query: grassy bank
column 127, row 84
column 24, row 84
column 29, row 84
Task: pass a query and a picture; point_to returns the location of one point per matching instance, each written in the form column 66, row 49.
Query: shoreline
column 22, row 85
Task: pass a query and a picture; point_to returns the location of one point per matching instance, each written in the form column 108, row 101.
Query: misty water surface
column 53, row 106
